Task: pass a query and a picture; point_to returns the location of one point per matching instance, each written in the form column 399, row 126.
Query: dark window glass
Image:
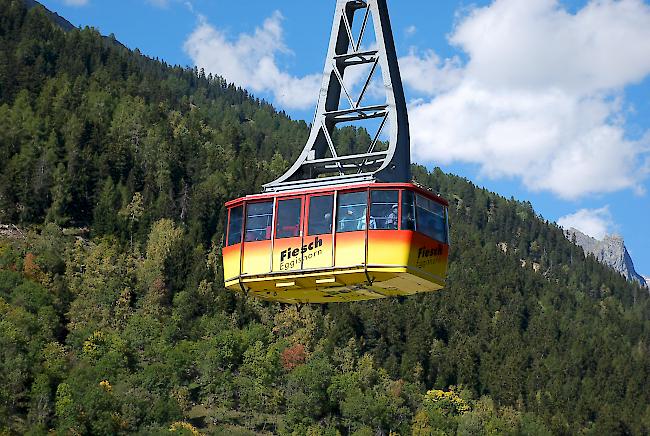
column 289, row 212
column 351, row 212
column 320, row 215
column 431, row 219
column 383, row 210
column 259, row 217
column 235, row 225
column 408, row 210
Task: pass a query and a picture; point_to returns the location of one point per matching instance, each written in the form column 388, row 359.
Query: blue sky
column 543, row 100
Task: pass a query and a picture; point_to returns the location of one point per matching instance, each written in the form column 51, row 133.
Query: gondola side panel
column 287, row 254
column 350, row 249
column 257, row 258
column 429, row 256
column 231, row 261
column 389, row 247
column 317, row 252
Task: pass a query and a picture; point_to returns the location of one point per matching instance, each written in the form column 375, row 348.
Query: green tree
column 133, row 213
column 106, row 219
column 58, row 212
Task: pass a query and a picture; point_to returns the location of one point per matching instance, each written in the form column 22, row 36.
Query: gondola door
column 288, row 241
column 318, row 245
column 351, row 224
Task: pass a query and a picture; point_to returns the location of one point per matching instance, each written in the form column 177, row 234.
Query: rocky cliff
column 611, row 251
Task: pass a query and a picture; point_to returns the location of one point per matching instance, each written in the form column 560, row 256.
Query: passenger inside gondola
column 383, row 210
column 351, row 212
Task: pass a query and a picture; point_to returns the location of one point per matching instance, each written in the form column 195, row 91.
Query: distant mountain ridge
column 64, row 24
column 611, row 251
column 56, row 18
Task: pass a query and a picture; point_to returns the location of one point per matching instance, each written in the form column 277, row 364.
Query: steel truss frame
column 321, row 163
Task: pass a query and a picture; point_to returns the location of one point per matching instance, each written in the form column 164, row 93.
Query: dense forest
column 114, row 169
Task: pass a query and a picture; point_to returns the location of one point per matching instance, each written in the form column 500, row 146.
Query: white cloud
column 75, row 2
column 411, row 30
column 165, row 4
column 593, row 222
column 159, row 3
column 250, row 61
column 552, row 141
column 539, row 44
column 540, row 96
column 427, row 73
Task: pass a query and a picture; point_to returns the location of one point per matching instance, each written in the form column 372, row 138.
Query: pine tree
column 59, row 211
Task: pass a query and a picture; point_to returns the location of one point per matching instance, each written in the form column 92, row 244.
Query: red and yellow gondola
column 337, row 244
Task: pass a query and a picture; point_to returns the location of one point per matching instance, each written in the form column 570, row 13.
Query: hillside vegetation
column 113, row 315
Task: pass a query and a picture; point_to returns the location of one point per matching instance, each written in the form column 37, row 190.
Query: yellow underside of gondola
column 354, row 284
column 399, row 264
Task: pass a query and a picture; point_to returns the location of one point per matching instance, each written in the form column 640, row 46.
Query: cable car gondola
column 342, row 227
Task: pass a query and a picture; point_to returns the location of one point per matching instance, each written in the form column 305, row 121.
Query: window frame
column 276, row 216
column 371, row 203
column 307, row 222
column 444, row 218
column 241, row 227
column 401, row 210
column 342, row 193
column 272, row 202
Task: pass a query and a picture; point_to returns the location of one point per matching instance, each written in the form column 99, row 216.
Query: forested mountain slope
column 113, row 316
